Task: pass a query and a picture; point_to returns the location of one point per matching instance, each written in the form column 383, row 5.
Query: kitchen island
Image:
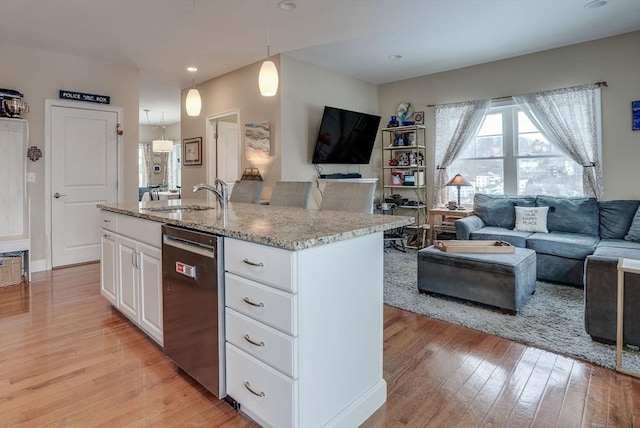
column 310, row 302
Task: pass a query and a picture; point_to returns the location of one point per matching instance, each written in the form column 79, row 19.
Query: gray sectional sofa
column 585, row 239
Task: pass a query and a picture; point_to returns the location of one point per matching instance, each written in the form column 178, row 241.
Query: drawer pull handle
column 106, row 235
column 107, row 221
column 251, row 341
column 249, row 302
column 250, row 263
column 253, row 391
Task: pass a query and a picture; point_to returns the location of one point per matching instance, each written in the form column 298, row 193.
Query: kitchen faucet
column 222, row 195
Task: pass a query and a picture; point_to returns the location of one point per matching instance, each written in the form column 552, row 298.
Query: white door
column 84, row 172
column 128, row 277
column 150, row 270
column 228, row 152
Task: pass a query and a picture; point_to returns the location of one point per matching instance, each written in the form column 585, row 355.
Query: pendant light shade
column 162, row 146
column 268, row 79
column 193, row 103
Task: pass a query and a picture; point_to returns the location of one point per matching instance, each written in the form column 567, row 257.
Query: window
column 173, row 165
column 509, row 155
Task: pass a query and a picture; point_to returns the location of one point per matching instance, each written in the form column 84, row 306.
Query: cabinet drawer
column 270, row 265
column 265, row 343
column 272, row 399
column 147, row 231
column 260, row 302
column 109, row 220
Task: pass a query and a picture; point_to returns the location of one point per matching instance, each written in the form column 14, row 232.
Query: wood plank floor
column 68, row 359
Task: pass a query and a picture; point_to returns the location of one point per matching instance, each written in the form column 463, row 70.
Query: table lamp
column 458, row 181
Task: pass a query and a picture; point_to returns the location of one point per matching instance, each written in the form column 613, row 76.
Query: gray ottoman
column 503, row 280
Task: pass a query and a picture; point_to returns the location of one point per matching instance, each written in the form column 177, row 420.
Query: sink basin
column 170, row 208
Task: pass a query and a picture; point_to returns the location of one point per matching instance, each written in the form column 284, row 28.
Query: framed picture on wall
column 192, row 151
column 635, row 115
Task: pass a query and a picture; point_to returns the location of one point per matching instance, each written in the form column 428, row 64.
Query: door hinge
column 118, row 130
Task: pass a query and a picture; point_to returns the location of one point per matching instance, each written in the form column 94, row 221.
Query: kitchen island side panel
column 340, row 295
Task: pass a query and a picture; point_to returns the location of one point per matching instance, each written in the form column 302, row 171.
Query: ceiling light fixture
column 394, row 56
column 268, row 76
column 162, row 145
column 193, row 102
column 286, row 5
column 595, row 4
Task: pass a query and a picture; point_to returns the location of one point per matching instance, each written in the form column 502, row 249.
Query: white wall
column 39, row 75
column 615, row 60
column 305, row 90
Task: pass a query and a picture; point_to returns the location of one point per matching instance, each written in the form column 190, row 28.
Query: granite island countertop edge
column 299, row 229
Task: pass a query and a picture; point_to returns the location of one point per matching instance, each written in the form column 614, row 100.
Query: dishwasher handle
column 189, row 246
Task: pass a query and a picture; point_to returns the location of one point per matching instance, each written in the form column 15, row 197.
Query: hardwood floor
column 68, row 359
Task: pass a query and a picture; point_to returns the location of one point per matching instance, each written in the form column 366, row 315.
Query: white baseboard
column 38, row 265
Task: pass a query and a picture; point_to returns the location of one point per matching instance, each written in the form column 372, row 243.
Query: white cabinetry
column 14, row 215
column 131, row 271
column 304, row 332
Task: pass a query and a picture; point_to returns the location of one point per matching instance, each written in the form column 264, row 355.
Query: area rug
column 551, row 319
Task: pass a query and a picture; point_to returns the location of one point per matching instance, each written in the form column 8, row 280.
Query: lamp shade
column 268, row 79
column 193, row 103
column 162, row 145
column 458, row 180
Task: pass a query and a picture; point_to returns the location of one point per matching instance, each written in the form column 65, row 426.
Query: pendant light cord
column 193, row 44
column 268, row 32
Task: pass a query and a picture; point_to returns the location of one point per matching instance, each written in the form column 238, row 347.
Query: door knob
column 57, row 195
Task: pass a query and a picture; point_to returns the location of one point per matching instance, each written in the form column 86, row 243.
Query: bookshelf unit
column 404, row 173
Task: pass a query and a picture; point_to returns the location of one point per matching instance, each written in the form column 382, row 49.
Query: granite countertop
column 284, row 227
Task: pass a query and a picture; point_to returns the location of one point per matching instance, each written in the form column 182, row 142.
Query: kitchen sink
column 170, row 208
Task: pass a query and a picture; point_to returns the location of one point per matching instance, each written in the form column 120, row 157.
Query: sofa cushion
column 616, row 218
column 634, row 229
column 497, row 210
column 531, row 219
column 618, row 243
column 610, row 249
column 571, row 215
column 569, row 245
column 492, row 233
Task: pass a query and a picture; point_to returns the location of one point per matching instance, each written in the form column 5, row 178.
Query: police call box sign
column 81, row 96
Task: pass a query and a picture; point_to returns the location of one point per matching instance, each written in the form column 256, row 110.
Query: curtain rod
column 598, row 84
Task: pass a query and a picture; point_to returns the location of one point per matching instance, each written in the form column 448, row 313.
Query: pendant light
column 268, row 77
column 193, row 102
column 162, row 145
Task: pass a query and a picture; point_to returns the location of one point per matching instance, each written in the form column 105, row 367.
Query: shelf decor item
column 458, row 181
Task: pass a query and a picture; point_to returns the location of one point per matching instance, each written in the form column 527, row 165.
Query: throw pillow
column 531, row 219
column 634, row 231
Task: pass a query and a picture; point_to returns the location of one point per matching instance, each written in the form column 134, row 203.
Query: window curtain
column 148, row 164
column 570, row 118
column 456, row 124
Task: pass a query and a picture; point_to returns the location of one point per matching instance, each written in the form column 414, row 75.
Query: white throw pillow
column 530, row 219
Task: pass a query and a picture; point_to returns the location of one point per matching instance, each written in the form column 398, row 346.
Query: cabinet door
column 128, row 277
column 108, row 268
column 150, row 270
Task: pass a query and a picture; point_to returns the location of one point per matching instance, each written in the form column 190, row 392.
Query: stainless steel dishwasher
column 193, row 305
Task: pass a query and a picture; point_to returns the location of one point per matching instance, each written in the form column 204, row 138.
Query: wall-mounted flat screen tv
column 345, row 137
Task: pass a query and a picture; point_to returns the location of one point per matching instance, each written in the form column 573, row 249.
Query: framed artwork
column 419, row 117
column 192, row 151
column 635, row 115
column 257, row 140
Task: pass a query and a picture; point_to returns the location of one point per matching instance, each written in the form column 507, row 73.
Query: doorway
column 223, row 148
column 82, row 169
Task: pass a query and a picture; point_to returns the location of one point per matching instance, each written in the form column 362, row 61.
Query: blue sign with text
column 80, row 96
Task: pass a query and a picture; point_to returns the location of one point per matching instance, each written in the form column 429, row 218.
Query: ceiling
column 354, row 37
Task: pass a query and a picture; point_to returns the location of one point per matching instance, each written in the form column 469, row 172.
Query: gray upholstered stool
column 501, row 280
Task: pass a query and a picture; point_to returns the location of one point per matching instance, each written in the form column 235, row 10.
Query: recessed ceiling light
column 596, row 3
column 286, row 5
column 192, row 69
column 394, row 56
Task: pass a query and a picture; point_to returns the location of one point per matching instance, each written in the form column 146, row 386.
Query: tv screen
column 345, row 137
